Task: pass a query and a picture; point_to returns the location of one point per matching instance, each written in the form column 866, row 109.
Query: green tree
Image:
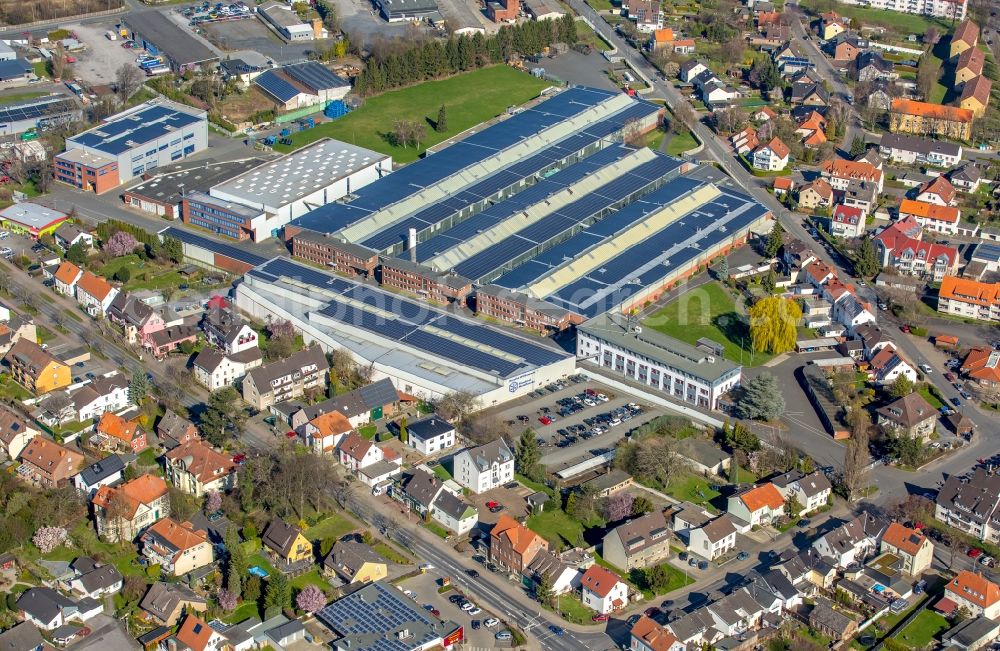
column 658, row 578
column 122, row 275
column 772, row 324
column 527, row 455
column 641, row 505
column 173, row 249
column 775, row 240
column 404, row 435
column 77, row 254
column 901, row 386
column 769, row 282
column 543, row 589
column 866, row 262
column 740, row 438
column 138, row 388
column 224, row 416
column 279, row 592
column 441, row 125
column 251, row 591
column 760, row 398
column 764, row 73
column 858, row 147
column 237, row 563
column 723, row 268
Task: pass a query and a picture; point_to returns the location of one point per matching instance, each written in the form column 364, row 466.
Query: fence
column 67, row 19
column 300, row 113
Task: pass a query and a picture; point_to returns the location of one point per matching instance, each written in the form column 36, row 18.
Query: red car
column 974, row 552
column 238, row 459
column 492, row 505
column 652, row 612
column 545, row 420
column 436, row 612
column 290, row 434
column 599, row 618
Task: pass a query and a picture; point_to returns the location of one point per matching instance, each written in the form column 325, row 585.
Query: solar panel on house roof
column 275, row 86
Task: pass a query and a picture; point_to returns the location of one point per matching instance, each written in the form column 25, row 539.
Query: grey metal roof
column 102, row 469
column 169, row 37
column 429, row 427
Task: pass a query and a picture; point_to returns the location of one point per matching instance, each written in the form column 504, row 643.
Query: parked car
column 503, row 635
column 742, row 556
column 491, row 622
column 599, row 618
column 974, row 552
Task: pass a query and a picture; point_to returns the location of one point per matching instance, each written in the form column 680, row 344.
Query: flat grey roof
column 167, row 186
column 168, row 37
column 659, row 347
column 31, row 214
column 300, row 173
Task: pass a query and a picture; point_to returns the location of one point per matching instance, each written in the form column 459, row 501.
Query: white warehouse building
column 303, row 180
column 426, row 352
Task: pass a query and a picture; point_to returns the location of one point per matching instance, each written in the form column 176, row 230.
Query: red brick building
column 424, row 281
column 89, row 172
column 340, row 256
column 523, row 310
column 504, row 11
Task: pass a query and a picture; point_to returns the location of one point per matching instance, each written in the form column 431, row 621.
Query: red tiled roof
column 599, row 580
column 851, row 169
column 94, row 286
column 939, row 186
column 977, row 89
column 653, row 635
column 765, row 495
column 967, row 32
column 904, row 538
column 521, row 537
column 927, row 110
column 975, row 588
column 973, row 59
column 982, row 363
column 67, row 273
column 969, row 291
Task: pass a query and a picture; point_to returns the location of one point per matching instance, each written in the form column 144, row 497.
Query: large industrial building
column 426, row 352
column 41, row 113
column 160, row 35
column 297, row 183
column 128, row 144
column 164, row 188
column 302, row 84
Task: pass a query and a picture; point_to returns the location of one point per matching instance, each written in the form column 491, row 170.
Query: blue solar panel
column 448, row 349
column 277, row 87
column 123, row 133
column 524, row 349
column 215, row 246
column 314, row 76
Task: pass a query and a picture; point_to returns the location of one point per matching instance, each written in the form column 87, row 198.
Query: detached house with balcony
column 811, row 491
column 123, row 512
column 757, row 506
column 485, row 467
column 975, row 593
column 195, row 468
column 228, row 332
column 116, row 433
column 639, row 543
column 137, row 320
column 35, row 369
column 286, row 379
column 971, row 505
column 214, row 369
column 287, row 546
column 900, row 246
column 177, row 547
column 95, row 294
column 47, row 464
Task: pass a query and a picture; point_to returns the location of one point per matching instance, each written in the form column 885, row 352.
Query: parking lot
column 98, row 63
column 364, row 26
column 423, row 590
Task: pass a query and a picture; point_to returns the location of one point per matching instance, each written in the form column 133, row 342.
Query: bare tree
column 456, row 406
column 128, row 78
column 685, row 115
column 59, row 64
column 856, row 456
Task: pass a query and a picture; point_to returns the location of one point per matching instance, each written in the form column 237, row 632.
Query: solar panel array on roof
column 121, row 133
column 541, row 233
column 431, row 169
column 375, row 617
column 674, row 247
column 276, row 86
column 391, row 317
column 36, row 108
column 187, row 237
column 313, row 75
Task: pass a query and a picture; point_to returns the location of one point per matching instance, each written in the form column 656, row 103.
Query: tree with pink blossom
column 227, row 600
column 121, row 243
column 618, row 506
column 48, row 538
column 213, row 501
column 310, row 599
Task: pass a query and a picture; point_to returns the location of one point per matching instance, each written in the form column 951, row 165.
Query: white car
column 4, row 235
column 926, row 369
column 6, row 251
column 475, row 611
column 426, row 567
column 491, row 622
column 468, row 605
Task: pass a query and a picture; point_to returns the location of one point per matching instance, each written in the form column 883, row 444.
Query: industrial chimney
column 411, row 244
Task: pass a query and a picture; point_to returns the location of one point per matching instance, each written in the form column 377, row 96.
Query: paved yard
column 512, row 500
column 103, row 57
column 425, row 589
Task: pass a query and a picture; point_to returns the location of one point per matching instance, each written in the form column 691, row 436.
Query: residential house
column 969, row 298
column 925, row 119
column 165, row 603
column 971, row 505
column 887, row 365
column 638, row 543
column 13, row 329
column 484, row 467
column 23, row 637
column 782, row 185
column 757, row 506
column 976, row 95
column 563, row 576
column 713, row 539
column 93, row 580
column 809, row 91
column 35, row 369
column 45, row 608
column 832, row 623
column 94, row 293
column 970, row 65
column 975, row 593
column 862, row 195
column 763, row 114
column 695, row 629
column 910, row 416
column 847, row 221
column 852, row 312
column 971, row 635
column 137, row 319
column 773, row 591
column 745, row 141
column 228, row 332
column 647, row 635
column 914, row 550
column 102, row 394
column 965, row 37
column 287, row 378
column 324, row 433
column 177, row 547
column 812, row 130
column 817, row 194
column 354, row 562
column 846, row 47
column 214, row 369
column 15, row 432
column 66, row 277
column 932, row 216
column 910, row 150
column 68, row 234
column 365, row 404
column 357, row 452
column 286, row 544
column 513, row 546
column 454, row 513
column 430, row 435
column 736, row 614
column 196, row 468
column 174, row 430
column 808, row 570
column 119, row 433
column 870, row 66
column 831, row 25
column 811, row 491
column 967, row 177
column 646, row 14
column 418, row 489
column 195, row 635
column 48, row 464
column 602, row 590
column 691, row 69
column 839, row 172
column 910, row 255
column 162, row 342
column 851, row 542
column 771, row 157
column 103, row 472
column 937, row 190
column 982, row 366
column 123, row 512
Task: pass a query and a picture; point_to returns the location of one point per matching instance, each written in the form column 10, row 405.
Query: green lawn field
column 921, row 631
column 708, row 311
column 469, row 99
column 681, row 143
